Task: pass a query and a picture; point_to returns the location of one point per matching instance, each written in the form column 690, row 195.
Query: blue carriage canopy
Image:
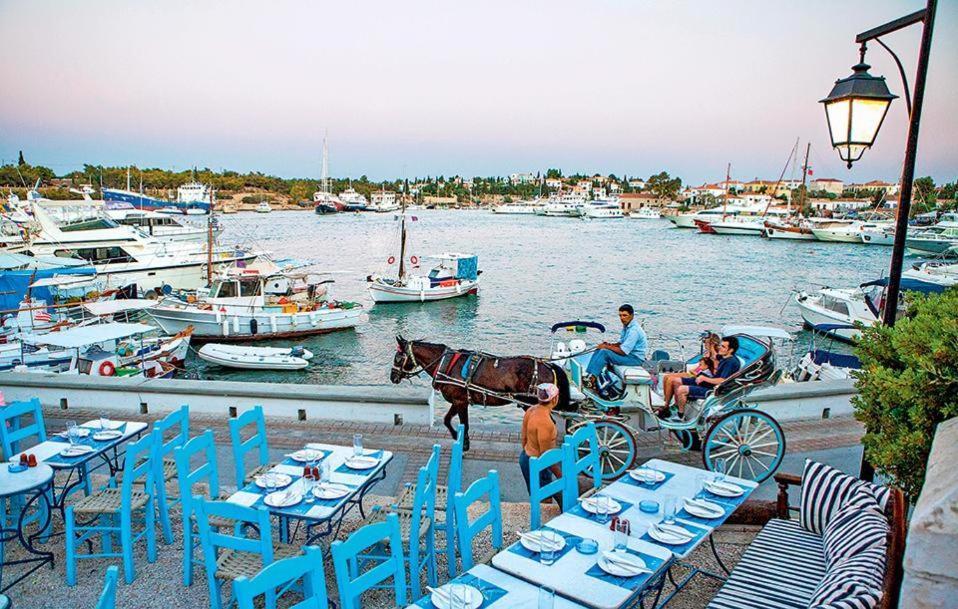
column 909, row 285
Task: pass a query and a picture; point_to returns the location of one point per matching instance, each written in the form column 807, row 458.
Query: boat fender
column 236, row 325
column 272, row 324
column 253, row 326
column 314, row 319
column 226, row 327
column 292, row 320
column 391, row 260
column 107, row 369
column 414, row 259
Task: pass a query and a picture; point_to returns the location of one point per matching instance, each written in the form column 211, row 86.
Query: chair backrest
column 279, row 577
column 580, row 453
column 537, row 493
column 249, row 418
column 14, row 429
column 345, row 555
column 454, row 479
column 483, row 489
column 137, row 465
column 204, row 446
column 179, row 422
column 108, row 596
column 424, row 502
column 212, row 540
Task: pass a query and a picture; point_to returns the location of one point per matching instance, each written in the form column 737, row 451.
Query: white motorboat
column 455, row 275
column 942, row 272
column 878, row 235
column 713, row 214
column 264, row 207
column 253, row 304
column 936, row 239
column 164, row 227
column 645, row 213
column 603, row 209
column 565, row 206
column 520, row 208
column 255, row 358
column 384, row 202
column 353, row 200
column 841, row 231
column 739, row 225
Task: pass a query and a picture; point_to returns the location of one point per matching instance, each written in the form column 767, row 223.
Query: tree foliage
column 907, row 386
column 664, row 186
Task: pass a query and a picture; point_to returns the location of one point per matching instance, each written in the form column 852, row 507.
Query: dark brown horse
column 469, row 377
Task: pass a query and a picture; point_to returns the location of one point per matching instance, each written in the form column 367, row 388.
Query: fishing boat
column 263, row 207
column 936, row 239
column 645, row 213
column 255, row 358
column 257, row 303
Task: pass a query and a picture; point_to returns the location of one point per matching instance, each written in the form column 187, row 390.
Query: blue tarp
column 910, row 285
column 468, row 268
column 13, row 284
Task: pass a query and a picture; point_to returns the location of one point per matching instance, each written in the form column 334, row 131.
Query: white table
column 32, row 485
column 519, row 594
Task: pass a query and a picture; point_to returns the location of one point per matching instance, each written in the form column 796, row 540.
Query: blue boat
column 192, row 199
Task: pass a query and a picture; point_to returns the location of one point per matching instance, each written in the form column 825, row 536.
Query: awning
column 112, row 307
column 74, row 338
column 62, row 281
column 910, row 285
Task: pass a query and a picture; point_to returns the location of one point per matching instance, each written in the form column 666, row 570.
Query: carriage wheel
column 688, row 438
column 751, row 442
column 617, row 449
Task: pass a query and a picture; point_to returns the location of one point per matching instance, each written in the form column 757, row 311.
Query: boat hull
column 208, row 324
column 814, row 315
column 683, row 220
column 384, row 293
column 742, row 230
column 929, row 246
column 251, row 358
column 836, row 236
column 795, row 234
column 878, row 238
column 144, row 202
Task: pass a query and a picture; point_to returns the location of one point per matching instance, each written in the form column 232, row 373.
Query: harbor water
column 537, row 271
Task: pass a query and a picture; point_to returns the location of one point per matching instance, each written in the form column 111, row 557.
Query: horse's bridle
column 417, row 368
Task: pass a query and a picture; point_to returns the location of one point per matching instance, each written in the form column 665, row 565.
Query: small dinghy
column 255, row 358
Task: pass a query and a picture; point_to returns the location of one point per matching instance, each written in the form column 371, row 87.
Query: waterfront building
column 637, row 184
column 521, row 178
column 554, row 183
column 829, row 185
column 877, row 185
column 633, row 201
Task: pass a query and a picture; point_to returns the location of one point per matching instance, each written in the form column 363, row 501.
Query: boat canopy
column 468, row 268
column 15, row 282
column 62, row 281
column 575, row 325
column 910, row 285
column 74, row 338
column 10, row 261
column 759, row 331
column 112, row 307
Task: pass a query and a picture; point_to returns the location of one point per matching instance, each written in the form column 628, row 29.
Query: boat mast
column 728, row 175
column 209, row 240
column 801, row 192
column 326, row 193
column 402, row 239
column 781, row 176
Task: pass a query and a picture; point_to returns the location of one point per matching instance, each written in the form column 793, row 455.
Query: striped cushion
column 824, row 491
column 853, row 583
column 857, row 526
column 781, row 569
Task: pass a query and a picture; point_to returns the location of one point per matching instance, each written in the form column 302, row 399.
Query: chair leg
column 71, row 551
column 216, row 601
column 87, row 483
column 126, row 546
column 106, row 536
column 164, row 509
column 188, row 550
column 150, row 518
column 414, row 569
column 450, row 545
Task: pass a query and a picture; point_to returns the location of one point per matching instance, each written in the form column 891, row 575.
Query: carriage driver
column 629, row 351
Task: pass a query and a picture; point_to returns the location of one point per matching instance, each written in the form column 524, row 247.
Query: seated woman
column 706, row 365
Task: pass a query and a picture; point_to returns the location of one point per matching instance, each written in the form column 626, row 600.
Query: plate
column 306, row 455
column 109, row 434
column 644, row 474
column 81, row 432
column 330, row 491
column 709, row 510
column 76, row 451
column 667, row 538
column 279, row 480
column 724, row 489
column 282, row 499
column 361, row 462
column 590, row 505
column 473, row 597
column 533, row 546
column 614, row 569
column 109, row 424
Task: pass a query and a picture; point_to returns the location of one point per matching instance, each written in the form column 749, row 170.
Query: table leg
column 27, row 541
column 716, row 555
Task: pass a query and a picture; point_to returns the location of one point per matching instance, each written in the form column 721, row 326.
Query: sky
column 424, row 87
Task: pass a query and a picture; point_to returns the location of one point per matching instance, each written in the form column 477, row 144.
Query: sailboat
column 454, row 274
column 799, row 229
column 732, row 225
column 326, row 202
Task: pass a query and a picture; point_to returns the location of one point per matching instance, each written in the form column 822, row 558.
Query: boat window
column 227, row 290
column 84, row 366
column 100, row 255
column 92, row 224
column 835, row 305
column 249, row 288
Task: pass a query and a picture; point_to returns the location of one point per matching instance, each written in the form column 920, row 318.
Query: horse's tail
column 562, row 382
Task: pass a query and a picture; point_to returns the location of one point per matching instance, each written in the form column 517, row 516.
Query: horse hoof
column 465, row 445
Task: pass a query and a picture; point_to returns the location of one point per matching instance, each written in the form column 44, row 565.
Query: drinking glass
column 325, row 472
column 104, row 422
column 700, row 481
column 270, row 481
column 719, row 469
column 308, row 485
column 73, row 432
column 547, row 554
column 603, row 507
column 357, row 444
column 547, row 597
column 668, row 509
column 620, row 536
column 458, row 595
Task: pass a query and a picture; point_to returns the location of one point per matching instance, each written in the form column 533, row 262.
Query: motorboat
column 784, row 229
column 453, row 275
column 936, row 239
column 164, row 227
column 565, row 206
column 353, row 201
column 880, row 235
column 824, row 364
column 257, row 303
column 523, row 208
column 384, row 202
column 228, row 209
column 842, row 231
column 255, row 358
column 645, row 213
column 603, row 209
column 264, row 207
column 688, row 219
column 739, row 225
column 943, row 272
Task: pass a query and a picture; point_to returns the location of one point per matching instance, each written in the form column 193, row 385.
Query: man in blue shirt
column 699, row 387
column 629, row 351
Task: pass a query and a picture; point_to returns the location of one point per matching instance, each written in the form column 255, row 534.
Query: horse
column 469, row 377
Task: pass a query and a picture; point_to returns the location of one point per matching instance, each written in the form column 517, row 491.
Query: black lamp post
column 855, row 110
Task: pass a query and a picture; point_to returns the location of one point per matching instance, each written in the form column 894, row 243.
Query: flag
column 41, row 316
column 810, row 172
column 414, row 218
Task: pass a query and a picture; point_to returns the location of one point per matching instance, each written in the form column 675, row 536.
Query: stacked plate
column 361, row 462
column 107, row 435
column 273, row 480
column 670, row 534
column 723, row 488
column 77, row 450
column 537, row 541
column 622, row 564
column 649, row 476
column 282, row 499
column 601, row 504
column 306, row 455
column 703, row 508
column 466, row 597
column 327, row 490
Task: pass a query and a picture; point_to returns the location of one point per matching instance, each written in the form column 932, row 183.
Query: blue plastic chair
column 202, row 447
column 346, row 558
column 113, row 510
column 538, row 493
column 108, row 596
column 231, row 555
column 282, row 576
column 164, row 464
column 580, row 453
column 483, row 489
column 257, row 441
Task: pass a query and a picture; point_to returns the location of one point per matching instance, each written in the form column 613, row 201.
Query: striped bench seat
column 781, row 569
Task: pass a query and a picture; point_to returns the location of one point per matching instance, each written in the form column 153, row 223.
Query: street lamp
column 855, row 110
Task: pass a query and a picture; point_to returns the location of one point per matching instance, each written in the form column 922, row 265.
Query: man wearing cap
column 539, row 433
column 629, row 351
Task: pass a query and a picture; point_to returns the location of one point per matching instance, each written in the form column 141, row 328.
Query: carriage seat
column 633, row 375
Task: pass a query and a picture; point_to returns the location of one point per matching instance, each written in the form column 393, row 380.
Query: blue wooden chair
column 580, row 453
column 164, row 464
column 483, row 489
column 108, row 596
column 231, row 555
column 282, row 576
column 350, row 583
column 539, row 493
column 444, row 496
column 202, row 448
column 257, row 441
column 5, row 602
column 113, row 511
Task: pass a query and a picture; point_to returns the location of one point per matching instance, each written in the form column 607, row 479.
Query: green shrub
column 907, row 386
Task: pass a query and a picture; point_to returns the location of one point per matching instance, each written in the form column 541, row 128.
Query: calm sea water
column 537, row 271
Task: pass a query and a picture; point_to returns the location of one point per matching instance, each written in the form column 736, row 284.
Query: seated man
column 629, row 351
column 699, row 387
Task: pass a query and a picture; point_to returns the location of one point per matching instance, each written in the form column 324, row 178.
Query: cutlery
column 624, row 560
column 669, row 536
column 539, row 540
column 726, row 486
column 705, row 506
column 447, row 596
column 675, row 531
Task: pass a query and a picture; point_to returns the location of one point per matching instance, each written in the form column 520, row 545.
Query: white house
column 637, row 184
column 553, row 183
column 521, row 178
column 829, row 185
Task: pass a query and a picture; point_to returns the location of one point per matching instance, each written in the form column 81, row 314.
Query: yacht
column 799, row 229
column 264, row 207
column 353, row 200
column 384, row 202
column 937, row 239
column 883, row 235
column 564, row 206
column 741, row 224
column 645, row 213
column 324, row 199
column 943, row 272
column 191, row 198
column 520, row 208
column 713, row 214
column 164, row 227
column 845, row 231
column 603, row 209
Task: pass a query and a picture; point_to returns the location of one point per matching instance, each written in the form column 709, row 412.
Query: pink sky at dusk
column 427, row 87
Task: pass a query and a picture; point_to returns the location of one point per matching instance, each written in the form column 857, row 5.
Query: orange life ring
column 107, row 369
column 414, row 259
column 391, row 260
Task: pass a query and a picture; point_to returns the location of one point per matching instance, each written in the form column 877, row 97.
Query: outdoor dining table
column 32, row 486
column 108, row 451
column 499, row 591
column 322, row 516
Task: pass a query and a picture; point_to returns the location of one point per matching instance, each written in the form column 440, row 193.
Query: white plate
column 361, row 462
column 306, row 455
column 81, row 432
column 667, row 538
column 644, row 474
column 614, row 569
column 76, row 451
column 473, row 597
column 590, row 505
column 724, row 489
column 330, row 491
column 109, row 424
column 702, row 512
column 109, row 434
column 279, row 480
column 530, row 544
column 280, row 499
